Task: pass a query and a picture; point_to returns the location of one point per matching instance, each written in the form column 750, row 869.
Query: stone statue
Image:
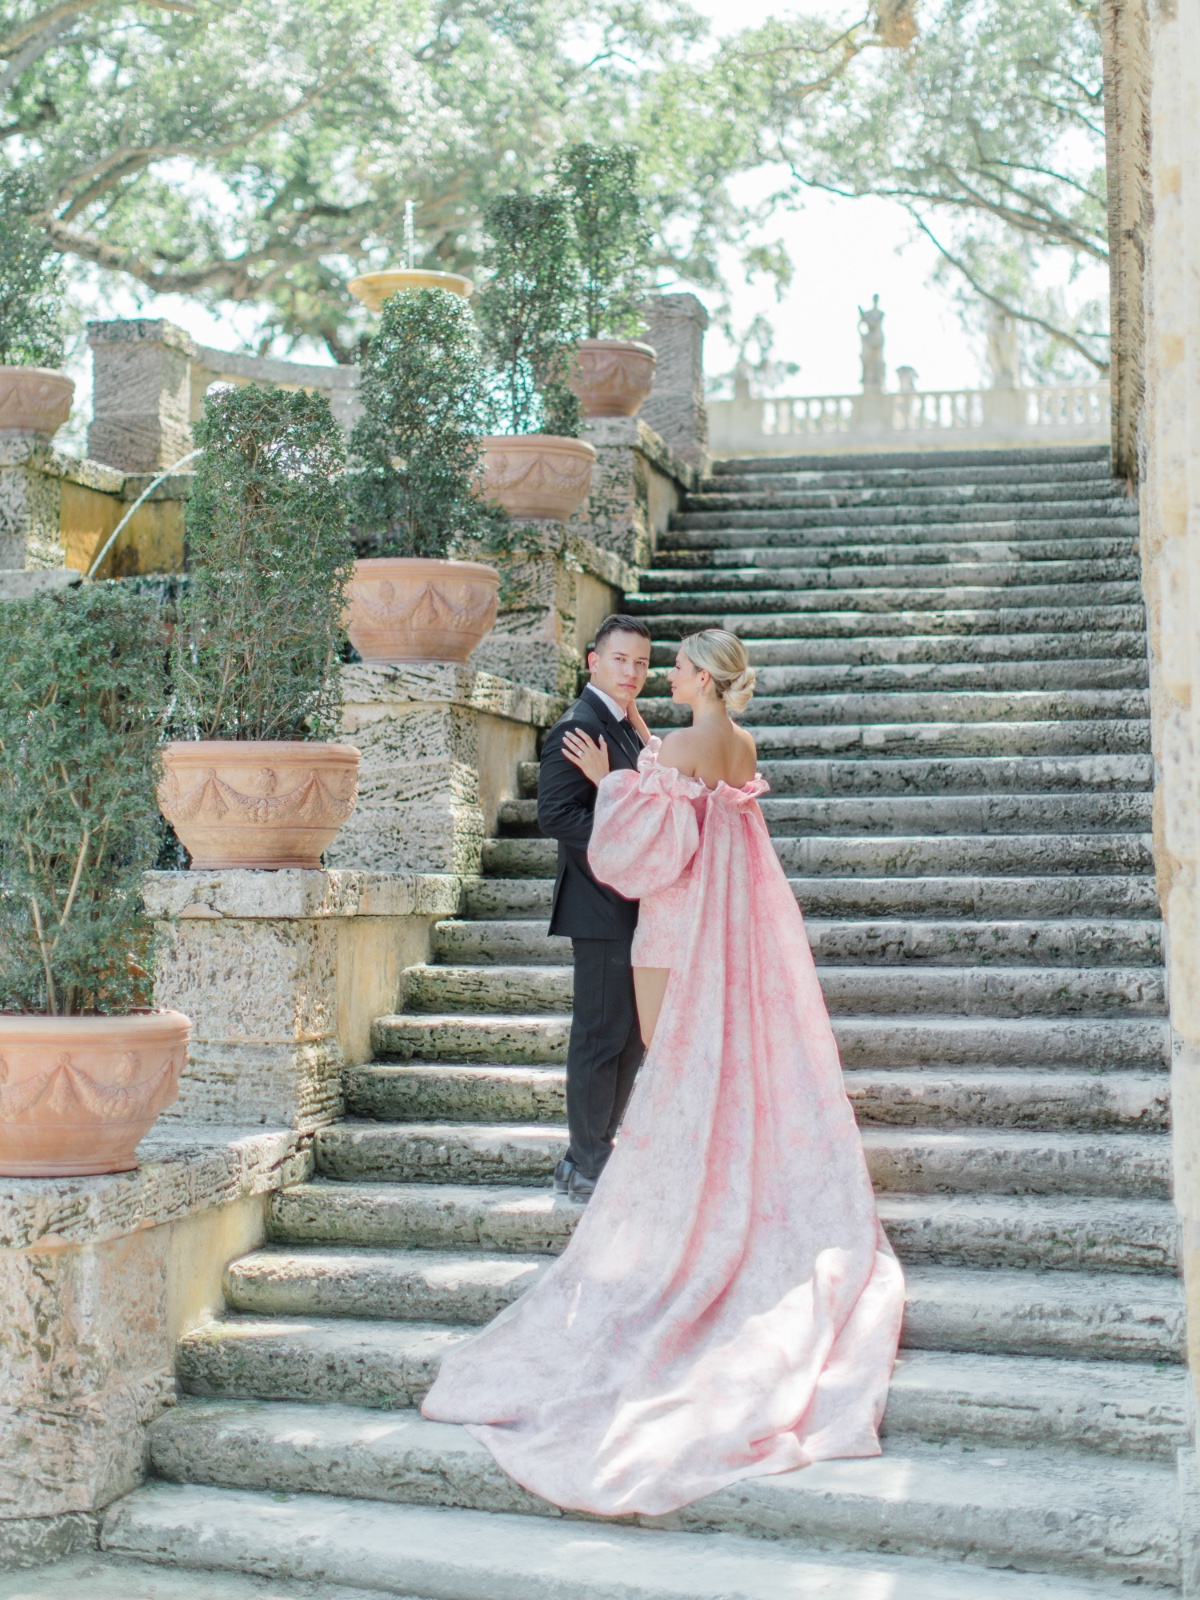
column 870, row 328
column 1003, row 349
column 907, row 377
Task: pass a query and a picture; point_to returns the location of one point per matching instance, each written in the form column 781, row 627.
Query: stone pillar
column 1170, row 541
column 1124, row 33
column 637, row 482
column 440, row 747
column 675, row 325
column 282, row 974
column 29, row 507
column 141, row 394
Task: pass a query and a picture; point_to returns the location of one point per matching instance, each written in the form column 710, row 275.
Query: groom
column 605, row 1048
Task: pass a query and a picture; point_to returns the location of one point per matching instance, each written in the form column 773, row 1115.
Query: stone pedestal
column 554, row 593
column 440, row 747
column 99, row 1277
column 637, row 482
column 141, row 394
column 282, row 974
column 675, row 325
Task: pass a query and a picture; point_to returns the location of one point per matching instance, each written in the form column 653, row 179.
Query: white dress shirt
column 618, row 711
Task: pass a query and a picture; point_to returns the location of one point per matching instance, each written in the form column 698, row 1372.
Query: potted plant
column 252, row 780
column 611, row 374
column 84, row 1068
column 416, row 457
column 528, row 311
column 35, row 399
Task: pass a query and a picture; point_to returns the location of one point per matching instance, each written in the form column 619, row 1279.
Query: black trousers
column 605, row 1049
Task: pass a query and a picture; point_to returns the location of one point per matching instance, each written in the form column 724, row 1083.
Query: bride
column 728, row 1306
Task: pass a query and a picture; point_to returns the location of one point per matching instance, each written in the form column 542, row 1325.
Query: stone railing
column 937, row 418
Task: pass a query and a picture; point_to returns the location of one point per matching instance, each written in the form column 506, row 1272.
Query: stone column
column 1124, row 33
column 141, row 394
column 1170, row 540
column 675, row 325
column 637, row 482
column 29, row 507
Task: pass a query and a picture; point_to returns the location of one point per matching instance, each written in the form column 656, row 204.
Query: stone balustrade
column 950, row 419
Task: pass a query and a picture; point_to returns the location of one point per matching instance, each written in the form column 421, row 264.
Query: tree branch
column 1012, row 311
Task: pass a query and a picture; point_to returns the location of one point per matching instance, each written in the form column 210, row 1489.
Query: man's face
column 620, row 666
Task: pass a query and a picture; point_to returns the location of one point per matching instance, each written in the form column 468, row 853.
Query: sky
column 845, row 251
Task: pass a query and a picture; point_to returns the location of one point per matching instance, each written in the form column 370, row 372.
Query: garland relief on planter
column 265, row 803
column 612, row 377
column 408, row 609
column 78, row 1093
column 537, row 476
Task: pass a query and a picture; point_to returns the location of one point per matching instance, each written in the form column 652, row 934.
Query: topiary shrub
column 529, row 313
column 81, row 706
column 416, row 446
column 612, row 240
column 31, row 283
column 259, row 631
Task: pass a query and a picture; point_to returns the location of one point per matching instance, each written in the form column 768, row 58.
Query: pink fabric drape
column 729, row 1306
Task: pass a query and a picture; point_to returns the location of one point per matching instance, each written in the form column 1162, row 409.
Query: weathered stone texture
column 637, row 483
column 141, row 393
column 29, row 506
column 440, row 747
column 675, row 325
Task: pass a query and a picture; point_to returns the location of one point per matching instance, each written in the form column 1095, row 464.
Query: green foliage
column 264, row 151
column 259, row 629
column 612, row 240
column 81, row 704
column 416, row 446
column 31, row 281
column 988, row 129
column 529, row 313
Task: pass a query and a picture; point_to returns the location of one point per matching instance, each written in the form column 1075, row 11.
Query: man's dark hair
column 618, row 623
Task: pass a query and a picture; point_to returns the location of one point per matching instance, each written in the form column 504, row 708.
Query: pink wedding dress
column 729, row 1305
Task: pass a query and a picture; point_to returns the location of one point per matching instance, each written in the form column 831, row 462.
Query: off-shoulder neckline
column 655, row 745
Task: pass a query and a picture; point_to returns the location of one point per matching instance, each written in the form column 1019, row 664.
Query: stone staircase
column 952, row 715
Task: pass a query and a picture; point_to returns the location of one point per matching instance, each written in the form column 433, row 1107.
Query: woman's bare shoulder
column 679, row 750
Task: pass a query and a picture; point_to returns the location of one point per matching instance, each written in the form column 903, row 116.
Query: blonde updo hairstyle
column 723, row 656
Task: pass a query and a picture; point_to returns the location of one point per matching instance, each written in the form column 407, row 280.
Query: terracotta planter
column 612, row 377
column 263, row 803
column 34, row 402
column 537, row 476
column 406, row 609
column 373, row 288
column 78, row 1093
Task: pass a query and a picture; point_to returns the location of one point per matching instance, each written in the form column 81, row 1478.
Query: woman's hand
column 638, row 723
column 591, row 759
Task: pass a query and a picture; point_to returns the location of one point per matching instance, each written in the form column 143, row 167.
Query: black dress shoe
column 562, row 1175
column 579, row 1188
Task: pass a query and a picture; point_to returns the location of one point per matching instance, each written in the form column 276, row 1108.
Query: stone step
column 952, row 739
column 884, row 599
column 1120, row 1043
column 1075, row 943
column 992, row 1274
column 1126, row 1408
column 1030, row 539
column 880, row 471
column 904, row 1160
column 923, row 652
column 996, row 677
column 1002, row 897
column 1087, row 515
column 947, row 621
column 777, row 490
column 898, row 855
column 403, row 1459
column 848, row 576
column 913, row 816
column 786, row 708
column 920, row 777
column 411, row 1550
column 849, row 991
column 1092, row 1101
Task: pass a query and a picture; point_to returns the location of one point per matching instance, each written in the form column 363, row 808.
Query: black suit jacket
column 583, row 908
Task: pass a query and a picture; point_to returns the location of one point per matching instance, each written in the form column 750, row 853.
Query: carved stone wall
column 675, row 325
column 141, row 394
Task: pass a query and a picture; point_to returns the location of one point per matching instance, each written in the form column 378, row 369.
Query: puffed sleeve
column 645, row 831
